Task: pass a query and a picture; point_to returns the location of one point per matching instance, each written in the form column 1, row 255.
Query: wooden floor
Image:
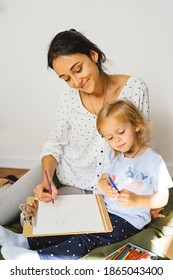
column 12, row 171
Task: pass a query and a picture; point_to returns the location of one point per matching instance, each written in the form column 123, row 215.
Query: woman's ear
column 94, row 56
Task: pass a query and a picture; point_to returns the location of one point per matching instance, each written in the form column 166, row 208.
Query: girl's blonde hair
column 126, row 111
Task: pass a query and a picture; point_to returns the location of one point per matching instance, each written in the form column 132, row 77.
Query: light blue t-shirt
column 144, row 174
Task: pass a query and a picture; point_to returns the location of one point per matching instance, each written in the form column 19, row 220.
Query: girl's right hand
column 105, row 187
column 41, row 192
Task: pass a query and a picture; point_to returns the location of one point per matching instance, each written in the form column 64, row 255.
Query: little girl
column 141, row 183
column 140, row 174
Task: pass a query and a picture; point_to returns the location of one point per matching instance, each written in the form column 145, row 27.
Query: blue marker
column 113, row 184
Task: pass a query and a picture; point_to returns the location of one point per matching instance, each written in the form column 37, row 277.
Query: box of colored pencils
column 131, row 252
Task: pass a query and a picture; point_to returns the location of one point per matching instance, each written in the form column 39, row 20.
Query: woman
column 78, row 62
column 74, row 151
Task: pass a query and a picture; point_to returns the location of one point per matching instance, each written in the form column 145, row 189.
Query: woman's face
column 78, row 70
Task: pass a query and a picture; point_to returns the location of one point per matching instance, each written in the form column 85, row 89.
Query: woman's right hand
column 41, row 192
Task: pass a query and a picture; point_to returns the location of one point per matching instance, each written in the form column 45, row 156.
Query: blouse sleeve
column 162, row 178
column 58, row 136
column 109, row 161
column 144, row 101
column 137, row 92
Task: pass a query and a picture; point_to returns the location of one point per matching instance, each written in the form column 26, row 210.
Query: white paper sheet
column 70, row 213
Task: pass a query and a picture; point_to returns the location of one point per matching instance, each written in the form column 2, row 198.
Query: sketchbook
column 70, row 214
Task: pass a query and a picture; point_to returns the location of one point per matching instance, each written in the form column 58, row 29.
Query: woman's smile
column 85, row 84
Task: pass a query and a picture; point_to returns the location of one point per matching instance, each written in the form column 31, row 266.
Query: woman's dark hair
column 71, row 42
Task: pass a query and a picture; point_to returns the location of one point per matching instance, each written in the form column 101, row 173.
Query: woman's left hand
column 155, row 213
column 29, row 210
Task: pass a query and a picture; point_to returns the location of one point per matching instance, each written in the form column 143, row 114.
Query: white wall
column 136, row 36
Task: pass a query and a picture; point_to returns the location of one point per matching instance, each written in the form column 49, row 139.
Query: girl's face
column 78, row 71
column 120, row 135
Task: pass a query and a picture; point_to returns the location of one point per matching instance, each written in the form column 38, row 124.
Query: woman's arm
column 58, row 136
column 49, row 163
column 52, row 150
column 41, row 191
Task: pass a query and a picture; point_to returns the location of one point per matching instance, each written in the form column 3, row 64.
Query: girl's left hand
column 127, row 198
